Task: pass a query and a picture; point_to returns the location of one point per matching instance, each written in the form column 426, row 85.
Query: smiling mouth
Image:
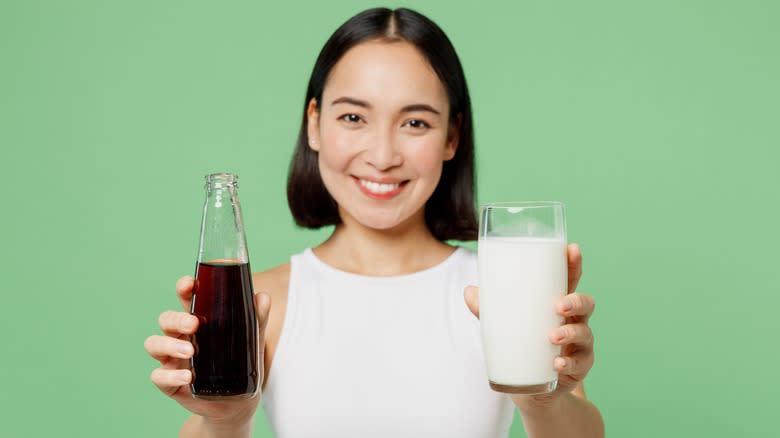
column 380, row 190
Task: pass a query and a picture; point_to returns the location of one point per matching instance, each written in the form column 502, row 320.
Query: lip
column 384, row 195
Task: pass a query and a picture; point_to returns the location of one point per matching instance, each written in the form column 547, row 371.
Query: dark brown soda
column 226, row 355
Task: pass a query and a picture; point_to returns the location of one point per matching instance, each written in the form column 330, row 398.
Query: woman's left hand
column 574, row 336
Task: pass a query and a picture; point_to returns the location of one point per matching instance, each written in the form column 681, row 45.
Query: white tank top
column 398, row 356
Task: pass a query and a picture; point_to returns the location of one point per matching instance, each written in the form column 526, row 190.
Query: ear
column 453, row 136
column 313, row 126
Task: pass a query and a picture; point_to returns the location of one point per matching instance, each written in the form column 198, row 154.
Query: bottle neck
column 222, row 236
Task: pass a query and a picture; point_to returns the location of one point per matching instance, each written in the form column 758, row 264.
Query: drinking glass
column 522, row 272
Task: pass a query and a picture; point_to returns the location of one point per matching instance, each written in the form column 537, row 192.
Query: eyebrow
column 352, row 101
column 406, row 109
column 419, row 107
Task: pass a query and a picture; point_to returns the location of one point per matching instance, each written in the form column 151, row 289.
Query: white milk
column 520, row 280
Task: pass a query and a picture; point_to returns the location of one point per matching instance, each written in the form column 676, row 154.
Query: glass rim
column 522, row 204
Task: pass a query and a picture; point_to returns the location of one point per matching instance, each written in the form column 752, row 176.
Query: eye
column 418, row 124
column 351, row 118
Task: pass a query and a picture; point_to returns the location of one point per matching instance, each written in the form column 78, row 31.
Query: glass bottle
column 225, row 363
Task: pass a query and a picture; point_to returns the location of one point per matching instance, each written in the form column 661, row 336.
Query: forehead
column 385, row 73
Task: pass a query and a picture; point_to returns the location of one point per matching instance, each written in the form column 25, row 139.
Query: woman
column 369, row 333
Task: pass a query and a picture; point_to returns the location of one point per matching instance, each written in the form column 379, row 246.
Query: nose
column 382, row 152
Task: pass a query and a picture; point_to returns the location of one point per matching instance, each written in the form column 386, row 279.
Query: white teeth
column 378, row 188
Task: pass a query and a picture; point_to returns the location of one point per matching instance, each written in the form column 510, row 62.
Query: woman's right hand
column 173, row 350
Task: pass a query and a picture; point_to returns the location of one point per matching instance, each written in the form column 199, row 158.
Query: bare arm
column 567, row 415
column 198, row 427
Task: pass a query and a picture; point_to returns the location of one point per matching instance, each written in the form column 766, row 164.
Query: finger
column 184, row 287
column 262, row 309
column 471, row 295
column 170, row 381
column 575, row 265
column 577, row 365
column 175, row 324
column 579, row 334
column 576, row 305
column 162, row 348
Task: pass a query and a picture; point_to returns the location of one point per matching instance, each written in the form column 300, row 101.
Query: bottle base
column 540, row 388
column 214, row 397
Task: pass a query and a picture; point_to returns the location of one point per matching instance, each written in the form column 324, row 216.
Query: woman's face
column 383, row 133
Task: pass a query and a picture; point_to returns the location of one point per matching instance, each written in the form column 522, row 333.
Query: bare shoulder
column 273, row 281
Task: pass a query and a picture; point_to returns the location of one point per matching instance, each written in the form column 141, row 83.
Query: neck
column 404, row 249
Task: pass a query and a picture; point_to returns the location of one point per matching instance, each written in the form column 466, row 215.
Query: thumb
column 262, row 303
column 471, row 295
column 262, row 309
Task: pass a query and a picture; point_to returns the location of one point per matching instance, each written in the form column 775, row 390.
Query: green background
column 656, row 122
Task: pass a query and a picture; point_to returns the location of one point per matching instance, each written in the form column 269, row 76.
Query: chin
column 381, row 221
column 378, row 223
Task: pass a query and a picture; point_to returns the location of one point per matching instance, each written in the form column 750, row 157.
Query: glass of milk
column 522, row 272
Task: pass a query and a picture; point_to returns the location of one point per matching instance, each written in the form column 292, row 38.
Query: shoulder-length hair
column 449, row 212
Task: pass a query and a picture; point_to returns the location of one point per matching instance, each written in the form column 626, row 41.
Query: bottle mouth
column 222, row 179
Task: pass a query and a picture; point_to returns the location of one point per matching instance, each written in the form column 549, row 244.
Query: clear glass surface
column 522, row 272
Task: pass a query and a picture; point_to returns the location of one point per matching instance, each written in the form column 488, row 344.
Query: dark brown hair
column 449, row 212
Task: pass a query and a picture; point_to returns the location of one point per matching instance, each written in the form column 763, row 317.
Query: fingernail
column 183, row 376
column 560, row 363
column 185, row 349
column 560, row 334
column 264, row 299
column 188, row 323
column 567, row 305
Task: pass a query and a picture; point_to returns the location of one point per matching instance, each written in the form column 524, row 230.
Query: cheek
column 331, row 168
column 335, row 150
column 428, row 158
column 331, row 159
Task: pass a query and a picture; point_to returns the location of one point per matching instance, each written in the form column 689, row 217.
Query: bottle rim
column 221, row 180
column 221, row 177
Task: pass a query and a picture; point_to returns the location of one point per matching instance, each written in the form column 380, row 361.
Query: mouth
column 385, row 189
